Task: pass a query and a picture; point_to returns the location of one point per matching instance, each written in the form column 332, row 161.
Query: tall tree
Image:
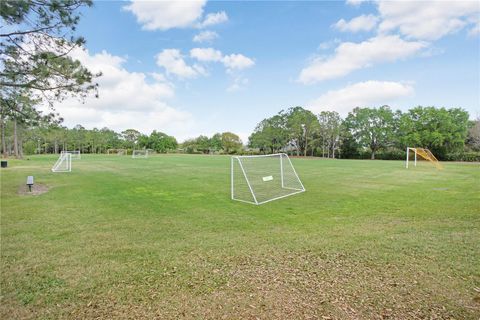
column 301, row 125
column 161, row 142
column 216, row 142
column 372, row 128
column 35, row 47
column 438, row 129
column 131, row 137
column 270, row 135
column 473, row 137
column 330, row 125
column 231, row 142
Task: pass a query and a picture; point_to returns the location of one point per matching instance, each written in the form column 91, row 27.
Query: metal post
column 248, row 182
column 231, row 177
column 406, row 162
column 281, row 169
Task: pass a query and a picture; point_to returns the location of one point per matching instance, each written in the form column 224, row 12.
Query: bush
column 471, row 156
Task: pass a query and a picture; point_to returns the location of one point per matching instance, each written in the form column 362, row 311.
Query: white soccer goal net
column 75, row 154
column 63, row 164
column 140, row 154
column 260, row 179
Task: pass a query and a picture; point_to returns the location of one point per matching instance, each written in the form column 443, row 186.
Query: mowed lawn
column 160, row 238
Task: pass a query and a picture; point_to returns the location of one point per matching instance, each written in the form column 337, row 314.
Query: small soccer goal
column 425, row 154
column 75, row 154
column 261, row 179
column 63, row 164
column 140, row 154
column 118, row 152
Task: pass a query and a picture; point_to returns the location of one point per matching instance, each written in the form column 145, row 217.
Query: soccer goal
column 261, row 179
column 140, row 154
column 424, row 154
column 118, row 152
column 75, row 154
column 64, row 163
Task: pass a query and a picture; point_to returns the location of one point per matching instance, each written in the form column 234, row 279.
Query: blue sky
column 191, row 68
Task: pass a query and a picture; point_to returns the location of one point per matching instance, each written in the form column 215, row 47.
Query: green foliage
column 438, row 129
column 372, row 128
column 328, row 135
column 231, row 143
column 270, row 134
column 131, row 136
column 35, row 49
column 473, row 137
column 301, row 124
column 160, row 142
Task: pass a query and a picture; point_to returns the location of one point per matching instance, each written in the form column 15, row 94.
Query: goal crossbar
column 76, row 154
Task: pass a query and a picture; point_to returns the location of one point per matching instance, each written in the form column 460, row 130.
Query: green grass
column 159, row 237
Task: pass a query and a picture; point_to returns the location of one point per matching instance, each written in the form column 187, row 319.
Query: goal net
column 418, row 154
column 75, row 154
column 118, row 152
column 63, row 164
column 140, row 154
column 260, row 179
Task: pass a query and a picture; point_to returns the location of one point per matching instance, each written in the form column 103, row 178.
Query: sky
column 195, row 67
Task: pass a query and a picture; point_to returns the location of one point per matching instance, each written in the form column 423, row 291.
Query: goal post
column 76, row 154
column 118, row 152
column 142, row 153
column 424, row 154
column 263, row 178
column 63, row 164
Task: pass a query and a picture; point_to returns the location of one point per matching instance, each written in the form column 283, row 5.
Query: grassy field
column 160, row 238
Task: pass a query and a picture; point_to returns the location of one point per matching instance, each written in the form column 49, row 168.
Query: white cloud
column 205, row 36
column 239, row 83
column 360, row 23
column 362, row 94
column 355, row 2
column 206, row 54
column 173, row 62
column 213, row 19
column 234, row 61
column 164, row 15
column 427, row 20
column 350, row 56
column 237, row 61
column 126, row 100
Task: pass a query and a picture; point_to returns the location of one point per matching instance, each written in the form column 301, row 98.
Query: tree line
column 36, row 69
column 375, row 133
column 370, row 133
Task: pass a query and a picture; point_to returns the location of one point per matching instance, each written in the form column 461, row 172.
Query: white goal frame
column 141, row 153
column 76, row 154
column 63, row 157
column 281, row 156
column 424, row 154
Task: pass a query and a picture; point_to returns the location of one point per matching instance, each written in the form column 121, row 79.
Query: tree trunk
column 373, row 155
column 15, row 138
column 306, row 144
column 4, row 143
column 20, row 144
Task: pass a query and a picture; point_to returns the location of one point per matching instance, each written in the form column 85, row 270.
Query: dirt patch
column 37, row 189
